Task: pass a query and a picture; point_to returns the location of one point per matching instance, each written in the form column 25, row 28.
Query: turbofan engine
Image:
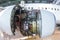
column 29, row 22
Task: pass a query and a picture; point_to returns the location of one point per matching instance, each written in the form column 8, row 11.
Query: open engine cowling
column 30, row 22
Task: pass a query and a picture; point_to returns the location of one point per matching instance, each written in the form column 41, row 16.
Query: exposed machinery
column 33, row 21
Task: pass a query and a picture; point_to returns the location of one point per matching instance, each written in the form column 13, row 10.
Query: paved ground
column 18, row 36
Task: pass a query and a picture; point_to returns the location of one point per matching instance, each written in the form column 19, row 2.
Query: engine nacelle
column 34, row 21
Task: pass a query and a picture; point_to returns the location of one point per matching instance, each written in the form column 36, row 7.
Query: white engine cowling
column 45, row 24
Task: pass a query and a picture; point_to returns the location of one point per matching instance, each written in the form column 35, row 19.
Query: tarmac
column 19, row 36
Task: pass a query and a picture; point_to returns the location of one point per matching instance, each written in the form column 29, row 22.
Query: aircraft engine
column 39, row 22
